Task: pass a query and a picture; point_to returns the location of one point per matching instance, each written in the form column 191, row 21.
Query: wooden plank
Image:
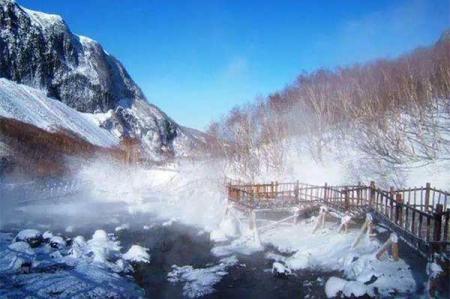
column 427, row 196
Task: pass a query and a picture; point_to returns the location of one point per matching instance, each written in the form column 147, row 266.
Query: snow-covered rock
column 122, row 227
column 137, row 254
column 388, row 276
column 79, row 247
column 349, row 289
column 434, row 270
column 333, row 286
column 228, row 228
column 57, row 242
column 70, row 272
column 47, row 236
column 103, row 247
column 200, row 281
column 280, row 270
column 31, row 236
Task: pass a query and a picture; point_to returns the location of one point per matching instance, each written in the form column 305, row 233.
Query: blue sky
column 198, row 59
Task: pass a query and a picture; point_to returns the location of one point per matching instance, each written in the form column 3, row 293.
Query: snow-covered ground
column 42, row 265
column 32, row 106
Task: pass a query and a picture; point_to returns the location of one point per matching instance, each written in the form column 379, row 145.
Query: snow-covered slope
column 32, row 106
column 39, row 50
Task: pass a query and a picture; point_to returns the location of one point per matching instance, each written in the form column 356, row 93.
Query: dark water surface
column 181, row 245
column 250, row 278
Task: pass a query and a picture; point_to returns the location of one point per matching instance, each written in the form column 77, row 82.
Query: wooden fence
column 419, row 215
column 25, row 193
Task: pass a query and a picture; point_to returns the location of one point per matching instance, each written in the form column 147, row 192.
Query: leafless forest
column 393, row 111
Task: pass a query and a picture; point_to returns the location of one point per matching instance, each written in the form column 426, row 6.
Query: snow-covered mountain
column 39, row 50
column 32, row 106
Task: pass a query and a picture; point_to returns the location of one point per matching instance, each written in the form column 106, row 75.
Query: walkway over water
column 419, row 216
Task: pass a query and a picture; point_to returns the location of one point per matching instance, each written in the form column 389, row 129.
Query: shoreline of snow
column 298, row 248
column 44, row 265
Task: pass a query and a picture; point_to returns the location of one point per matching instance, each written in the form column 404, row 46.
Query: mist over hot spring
column 335, row 185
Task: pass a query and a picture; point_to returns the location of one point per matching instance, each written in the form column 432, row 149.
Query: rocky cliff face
column 39, row 50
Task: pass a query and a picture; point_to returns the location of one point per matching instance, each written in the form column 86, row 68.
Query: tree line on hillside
column 36, row 152
column 400, row 109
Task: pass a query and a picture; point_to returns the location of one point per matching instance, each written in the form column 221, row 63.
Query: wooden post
column 345, row 221
column 276, row 189
column 399, row 209
column 427, row 196
column 391, row 205
column 321, row 218
column 253, row 227
column 394, row 247
column 383, row 248
column 296, row 191
column 391, row 242
column 346, row 200
column 358, row 195
column 446, row 226
column 361, row 232
column 251, row 222
column 438, row 225
column 372, row 194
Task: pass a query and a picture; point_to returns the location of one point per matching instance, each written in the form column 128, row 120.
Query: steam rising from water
column 112, row 193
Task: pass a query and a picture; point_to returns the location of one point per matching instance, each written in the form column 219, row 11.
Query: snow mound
column 388, row 276
column 352, row 289
column 27, row 234
column 228, row 228
column 137, row 254
column 280, row 270
column 57, row 242
column 68, row 272
column 122, row 227
column 200, row 281
column 102, row 247
column 31, row 236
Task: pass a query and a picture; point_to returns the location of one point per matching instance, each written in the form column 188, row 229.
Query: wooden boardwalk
column 419, row 216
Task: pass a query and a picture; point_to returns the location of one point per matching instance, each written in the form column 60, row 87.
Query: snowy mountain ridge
column 33, row 107
column 39, row 50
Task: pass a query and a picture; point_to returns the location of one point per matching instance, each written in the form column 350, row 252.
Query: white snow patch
column 102, row 247
column 279, row 268
column 200, row 281
column 28, row 234
column 333, row 286
column 137, row 254
column 57, row 242
column 124, row 226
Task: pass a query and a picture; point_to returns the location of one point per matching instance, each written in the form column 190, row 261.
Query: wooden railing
column 34, row 191
column 420, row 215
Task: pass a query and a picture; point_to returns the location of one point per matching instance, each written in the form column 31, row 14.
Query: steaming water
column 171, row 214
column 170, row 243
column 173, row 244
